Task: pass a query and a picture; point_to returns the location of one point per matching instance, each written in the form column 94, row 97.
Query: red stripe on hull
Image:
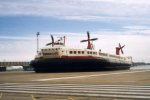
column 79, row 57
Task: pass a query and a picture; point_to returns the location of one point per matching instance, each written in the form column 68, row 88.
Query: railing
column 4, row 64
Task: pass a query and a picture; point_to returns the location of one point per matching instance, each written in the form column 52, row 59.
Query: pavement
column 105, row 85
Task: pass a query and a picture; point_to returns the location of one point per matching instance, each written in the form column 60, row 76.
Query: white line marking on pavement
column 33, row 98
column 86, row 76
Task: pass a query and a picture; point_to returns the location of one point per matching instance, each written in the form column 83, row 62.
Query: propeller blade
column 119, row 45
column 121, row 48
column 48, row 44
column 121, row 51
column 88, row 34
column 52, row 38
column 83, row 40
column 94, row 39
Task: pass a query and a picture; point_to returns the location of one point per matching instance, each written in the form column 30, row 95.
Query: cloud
column 137, row 46
column 78, row 9
column 137, row 27
column 137, row 30
column 132, row 17
column 15, row 38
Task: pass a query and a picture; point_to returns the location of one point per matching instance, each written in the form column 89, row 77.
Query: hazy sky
column 112, row 21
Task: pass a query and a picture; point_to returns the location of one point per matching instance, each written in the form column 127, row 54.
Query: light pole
column 37, row 34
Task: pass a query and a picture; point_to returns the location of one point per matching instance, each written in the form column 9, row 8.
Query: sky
column 112, row 21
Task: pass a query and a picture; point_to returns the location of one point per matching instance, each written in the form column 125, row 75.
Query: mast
column 37, row 34
column 64, row 40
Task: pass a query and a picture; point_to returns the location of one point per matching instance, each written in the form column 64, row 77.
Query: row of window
column 54, row 53
column 51, row 49
column 72, row 52
column 82, row 52
column 76, row 52
column 94, row 53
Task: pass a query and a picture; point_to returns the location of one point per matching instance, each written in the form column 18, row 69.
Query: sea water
column 141, row 67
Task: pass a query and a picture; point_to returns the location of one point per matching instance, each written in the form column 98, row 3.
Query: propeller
column 90, row 45
column 121, row 48
column 52, row 43
column 88, row 35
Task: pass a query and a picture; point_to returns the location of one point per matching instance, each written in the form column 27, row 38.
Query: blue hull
column 75, row 64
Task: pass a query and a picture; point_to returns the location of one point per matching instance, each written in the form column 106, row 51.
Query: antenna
column 37, row 34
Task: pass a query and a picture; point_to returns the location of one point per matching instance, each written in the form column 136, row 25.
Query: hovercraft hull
column 76, row 64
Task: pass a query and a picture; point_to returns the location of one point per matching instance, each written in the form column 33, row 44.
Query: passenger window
column 70, row 52
column 79, row 52
column 82, row 52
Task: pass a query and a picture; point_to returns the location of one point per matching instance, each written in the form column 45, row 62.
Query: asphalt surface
column 102, row 85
